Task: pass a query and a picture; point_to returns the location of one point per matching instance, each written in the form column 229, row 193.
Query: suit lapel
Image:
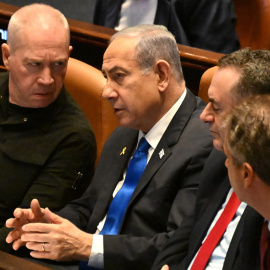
column 211, row 195
column 163, row 13
column 245, row 242
column 121, row 152
column 168, row 140
column 118, row 152
column 202, row 225
column 113, row 9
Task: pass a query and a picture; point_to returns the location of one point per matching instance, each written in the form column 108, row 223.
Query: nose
column 206, row 115
column 46, row 77
column 109, row 91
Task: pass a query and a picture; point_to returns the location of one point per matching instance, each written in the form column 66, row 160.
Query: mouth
column 117, row 110
column 214, row 133
column 43, row 94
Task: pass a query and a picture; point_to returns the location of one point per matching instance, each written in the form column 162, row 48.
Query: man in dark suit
column 146, row 88
column 205, row 24
column 241, row 74
column 246, row 146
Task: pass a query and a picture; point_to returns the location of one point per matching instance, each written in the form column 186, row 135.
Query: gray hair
column 153, row 43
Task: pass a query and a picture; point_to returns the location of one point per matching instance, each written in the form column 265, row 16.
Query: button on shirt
column 153, row 137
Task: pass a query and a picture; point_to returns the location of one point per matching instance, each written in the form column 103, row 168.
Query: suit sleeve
column 174, row 250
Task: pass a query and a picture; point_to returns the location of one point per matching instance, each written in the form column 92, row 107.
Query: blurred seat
column 85, row 84
column 253, row 23
column 205, row 83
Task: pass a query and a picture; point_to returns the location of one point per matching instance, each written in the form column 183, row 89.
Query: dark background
column 81, row 10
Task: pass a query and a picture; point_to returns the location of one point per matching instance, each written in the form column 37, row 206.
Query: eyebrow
column 109, row 71
column 115, row 68
column 32, row 59
column 213, row 101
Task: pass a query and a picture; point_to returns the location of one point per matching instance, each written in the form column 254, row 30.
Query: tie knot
column 143, row 145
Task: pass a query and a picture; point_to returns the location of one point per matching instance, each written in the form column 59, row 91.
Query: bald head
column 35, row 18
column 36, row 55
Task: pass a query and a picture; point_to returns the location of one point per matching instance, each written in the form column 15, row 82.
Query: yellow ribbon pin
column 123, row 151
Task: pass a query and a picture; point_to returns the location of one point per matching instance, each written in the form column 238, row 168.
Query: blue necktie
column 120, row 202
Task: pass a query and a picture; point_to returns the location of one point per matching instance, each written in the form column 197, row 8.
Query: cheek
column 59, row 81
column 234, row 179
column 217, row 142
column 231, row 178
column 21, row 81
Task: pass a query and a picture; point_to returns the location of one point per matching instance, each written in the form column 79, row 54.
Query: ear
column 163, row 70
column 247, row 175
column 5, row 55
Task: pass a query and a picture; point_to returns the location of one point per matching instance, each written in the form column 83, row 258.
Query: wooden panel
column 253, row 23
column 90, row 41
column 10, row 262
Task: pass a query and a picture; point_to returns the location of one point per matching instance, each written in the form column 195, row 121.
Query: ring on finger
column 43, row 247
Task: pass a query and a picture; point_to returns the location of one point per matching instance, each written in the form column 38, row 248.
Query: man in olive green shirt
column 47, row 147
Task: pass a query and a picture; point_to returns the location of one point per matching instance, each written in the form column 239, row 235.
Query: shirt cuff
column 96, row 258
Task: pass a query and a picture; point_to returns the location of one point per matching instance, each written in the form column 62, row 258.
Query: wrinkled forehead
column 223, row 83
column 119, row 53
column 120, row 47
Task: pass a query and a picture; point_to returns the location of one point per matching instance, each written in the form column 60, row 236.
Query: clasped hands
column 48, row 235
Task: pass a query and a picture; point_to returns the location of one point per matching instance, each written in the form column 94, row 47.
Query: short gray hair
column 153, row 43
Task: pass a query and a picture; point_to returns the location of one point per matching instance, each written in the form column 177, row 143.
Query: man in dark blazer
column 241, row 74
column 247, row 149
column 146, row 88
column 205, row 24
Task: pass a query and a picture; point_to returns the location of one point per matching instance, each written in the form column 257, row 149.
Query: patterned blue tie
column 120, row 202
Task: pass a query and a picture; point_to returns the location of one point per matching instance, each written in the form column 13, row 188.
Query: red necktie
column 265, row 256
column 216, row 233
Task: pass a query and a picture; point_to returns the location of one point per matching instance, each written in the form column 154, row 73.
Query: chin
column 123, row 123
column 218, row 145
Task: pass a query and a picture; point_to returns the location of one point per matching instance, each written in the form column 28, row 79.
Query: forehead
column 222, row 83
column 53, row 37
column 119, row 52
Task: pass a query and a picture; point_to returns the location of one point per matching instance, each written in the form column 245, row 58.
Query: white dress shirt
column 134, row 12
column 153, row 137
column 217, row 258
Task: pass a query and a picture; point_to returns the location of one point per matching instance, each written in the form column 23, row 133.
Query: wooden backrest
column 85, row 84
column 253, row 23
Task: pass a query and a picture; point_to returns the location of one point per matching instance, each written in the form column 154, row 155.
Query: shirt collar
column 156, row 132
column 40, row 117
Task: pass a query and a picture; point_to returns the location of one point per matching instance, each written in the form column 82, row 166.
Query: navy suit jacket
column 164, row 198
column 205, row 24
column 244, row 250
